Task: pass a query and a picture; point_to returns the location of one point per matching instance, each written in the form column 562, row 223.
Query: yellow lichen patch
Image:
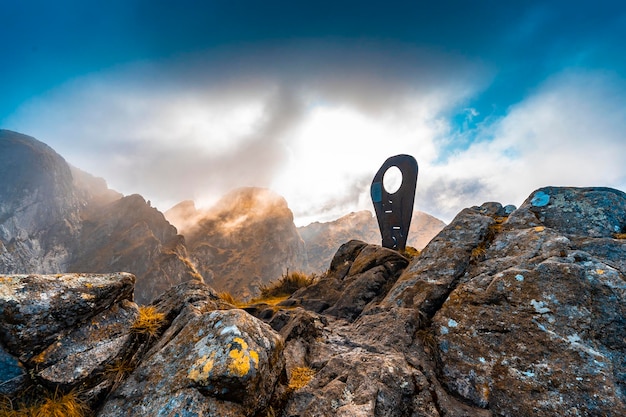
column 202, row 368
column 300, row 377
column 540, row 229
column 86, row 296
column 599, row 271
column 619, row 235
column 241, row 358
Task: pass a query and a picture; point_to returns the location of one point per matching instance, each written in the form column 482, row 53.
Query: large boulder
column 37, row 309
column 538, row 327
column 426, row 283
column 62, row 330
column 220, row 362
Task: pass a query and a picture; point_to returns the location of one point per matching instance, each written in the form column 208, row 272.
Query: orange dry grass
column 228, row 297
column 410, row 252
column 68, row 405
column 478, row 251
column 53, row 405
column 119, row 369
column 287, row 284
column 149, row 321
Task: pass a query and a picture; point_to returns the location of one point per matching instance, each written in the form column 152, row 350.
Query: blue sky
column 189, row 99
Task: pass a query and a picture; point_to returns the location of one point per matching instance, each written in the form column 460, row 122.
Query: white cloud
column 568, row 133
column 313, row 124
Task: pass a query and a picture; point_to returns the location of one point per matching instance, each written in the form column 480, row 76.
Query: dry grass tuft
column 478, row 252
column 410, row 252
column 53, row 405
column 300, row 377
column 428, row 340
column 149, row 321
column 118, row 370
column 228, row 297
column 287, row 285
column 619, row 235
column 62, row 405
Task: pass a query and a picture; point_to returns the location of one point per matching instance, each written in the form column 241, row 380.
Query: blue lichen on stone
column 540, row 199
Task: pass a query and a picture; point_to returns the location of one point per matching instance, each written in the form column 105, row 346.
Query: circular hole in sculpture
column 392, row 180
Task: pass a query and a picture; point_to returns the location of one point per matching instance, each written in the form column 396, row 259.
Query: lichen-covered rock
column 221, row 362
column 375, row 366
column 80, row 356
column 538, row 326
column 593, row 211
column 37, row 310
column 361, row 383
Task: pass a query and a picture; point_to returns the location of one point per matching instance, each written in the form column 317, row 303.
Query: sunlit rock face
column 39, row 209
column 324, row 239
column 129, row 235
column 246, row 240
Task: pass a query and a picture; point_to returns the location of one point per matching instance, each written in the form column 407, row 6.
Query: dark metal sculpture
column 394, row 210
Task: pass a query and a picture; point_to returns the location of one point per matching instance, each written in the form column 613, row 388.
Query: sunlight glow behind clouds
column 317, row 133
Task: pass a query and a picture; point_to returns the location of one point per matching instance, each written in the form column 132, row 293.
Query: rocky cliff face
column 55, row 218
column 322, row 240
column 129, row 235
column 246, row 240
column 39, row 209
column 518, row 314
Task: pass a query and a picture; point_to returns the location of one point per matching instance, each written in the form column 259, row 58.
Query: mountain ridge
column 56, row 218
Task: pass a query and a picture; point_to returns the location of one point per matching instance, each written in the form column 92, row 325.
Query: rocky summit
column 504, row 313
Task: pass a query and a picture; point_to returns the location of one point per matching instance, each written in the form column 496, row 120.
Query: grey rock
column 537, row 326
column 37, row 310
column 76, row 359
column 428, row 280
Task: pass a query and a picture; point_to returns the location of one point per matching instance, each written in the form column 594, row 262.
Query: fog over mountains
column 55, row 218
